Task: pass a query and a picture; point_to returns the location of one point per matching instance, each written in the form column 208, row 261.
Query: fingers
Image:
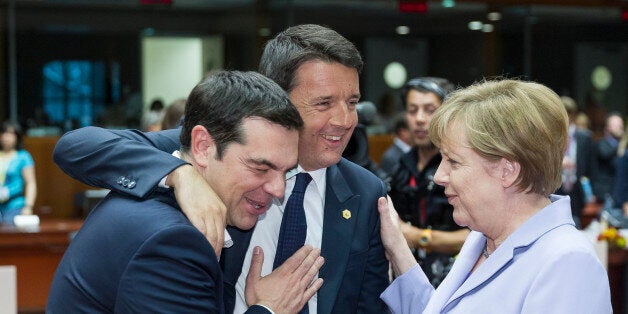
column 312, row 289
column 294, row 262
column 216, row 233
column 255, row 272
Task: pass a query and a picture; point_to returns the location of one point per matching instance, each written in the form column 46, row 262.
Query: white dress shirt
column 266, row 231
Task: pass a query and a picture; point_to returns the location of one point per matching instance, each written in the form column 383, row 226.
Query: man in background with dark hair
column 144, row 256
column 402, row 143
column 430, row 228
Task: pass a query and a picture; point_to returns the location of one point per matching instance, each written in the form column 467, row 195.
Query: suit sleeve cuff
column 258, row 308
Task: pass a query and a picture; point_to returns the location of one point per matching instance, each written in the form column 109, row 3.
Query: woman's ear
column 510, row 172
column 202, row 146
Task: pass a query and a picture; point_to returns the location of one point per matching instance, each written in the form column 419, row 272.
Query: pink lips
column 257, row 208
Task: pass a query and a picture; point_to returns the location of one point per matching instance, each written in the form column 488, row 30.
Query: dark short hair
column 17, row 129
column 400, row 123
column 439, row 86
column 285, row 53
column 225, row 98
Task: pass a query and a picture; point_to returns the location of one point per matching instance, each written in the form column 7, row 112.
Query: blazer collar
column 548, row 218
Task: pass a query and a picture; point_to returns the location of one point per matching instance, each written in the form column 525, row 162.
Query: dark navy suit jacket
column 138, row 256
column 355, row 270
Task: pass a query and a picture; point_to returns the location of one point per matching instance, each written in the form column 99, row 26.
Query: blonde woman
column 502, row 144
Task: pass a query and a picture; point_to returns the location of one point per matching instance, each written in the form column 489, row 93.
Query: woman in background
column 502, row 144
column 17, row 175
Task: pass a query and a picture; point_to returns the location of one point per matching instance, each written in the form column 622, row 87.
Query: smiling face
column 326, row 95
column 249, row 175
column 470, row 181
column 420, row 108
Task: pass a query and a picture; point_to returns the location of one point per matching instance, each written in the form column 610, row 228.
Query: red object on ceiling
column 408, row 6
column 155, row 1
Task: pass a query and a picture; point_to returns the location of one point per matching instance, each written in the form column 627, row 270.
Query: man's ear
column 202, row 146
column 510, row 170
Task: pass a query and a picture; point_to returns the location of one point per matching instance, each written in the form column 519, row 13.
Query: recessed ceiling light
column 475, row 25
column 403, row 30
column 487, row 28
column 264, row 32
column 494, row 16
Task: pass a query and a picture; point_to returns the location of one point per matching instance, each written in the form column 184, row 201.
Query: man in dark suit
column 402, row 143
column 144, row 256
column 320, row 71
column 603, row 182
column 577, row 163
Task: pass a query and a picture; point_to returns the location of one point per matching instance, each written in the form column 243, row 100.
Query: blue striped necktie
column 293, row 226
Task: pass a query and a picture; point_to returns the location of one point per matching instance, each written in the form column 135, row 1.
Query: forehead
column 454, row 138
column 615, row 120
column 265, row 139
column 329, row 77
column 417, row 98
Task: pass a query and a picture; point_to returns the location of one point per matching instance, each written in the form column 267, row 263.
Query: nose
column 441, row 177
column 343, row 116
column 421, row 116
column 276, row 186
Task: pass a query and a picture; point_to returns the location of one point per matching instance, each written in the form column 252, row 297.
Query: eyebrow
column 331, row 97
column 262, row 162
column 266, row 162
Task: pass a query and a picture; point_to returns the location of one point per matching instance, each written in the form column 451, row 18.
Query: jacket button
column 132, row 184
column 121, row 180
column 125, row 182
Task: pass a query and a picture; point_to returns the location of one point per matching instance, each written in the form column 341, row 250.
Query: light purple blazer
column 545, row 266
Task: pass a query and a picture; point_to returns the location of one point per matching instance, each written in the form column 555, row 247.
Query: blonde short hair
column 520, row 121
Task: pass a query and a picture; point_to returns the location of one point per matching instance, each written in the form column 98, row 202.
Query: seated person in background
column 430, row 229
column 401, row 144
column 502, row 144
column 173, row 115
column 606, row 155
column 17, row 175
column 144, row 256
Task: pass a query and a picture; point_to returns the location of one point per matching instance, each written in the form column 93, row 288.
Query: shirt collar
column 318, row 176
column 402, row 145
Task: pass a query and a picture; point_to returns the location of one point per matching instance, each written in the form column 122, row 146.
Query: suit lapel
column 337, row 236
column 535, row 227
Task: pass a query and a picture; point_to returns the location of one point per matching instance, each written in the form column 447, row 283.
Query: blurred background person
column 577, row 162
column 173, row 115
column 583, row 122
column 151, row 120
column 621, row 174
column 606, row 151
column 17, row 174
column 429, row 227
column 502, row 144
column 401, row 144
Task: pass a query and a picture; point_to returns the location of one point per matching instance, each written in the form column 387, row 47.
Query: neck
column 517, row 209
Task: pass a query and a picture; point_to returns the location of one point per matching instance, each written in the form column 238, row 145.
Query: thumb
column 257, row 260
column 382, row 205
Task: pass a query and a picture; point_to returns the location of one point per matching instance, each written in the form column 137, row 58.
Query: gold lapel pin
column 346, row 214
